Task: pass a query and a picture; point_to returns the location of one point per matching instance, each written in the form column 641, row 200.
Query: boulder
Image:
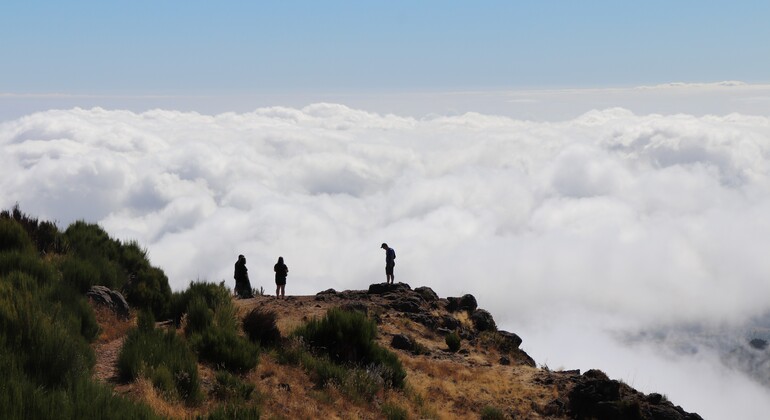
column 327, row 292
column 464, row 303
column 483, row 320
column 449, row 322
column 112, row 299
column 505, row 361
column 402, row 342
column 382, row 288
column 407, row 304
column 427, row 293
column 508, row 340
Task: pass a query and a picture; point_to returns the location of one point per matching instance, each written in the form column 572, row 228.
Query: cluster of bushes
column 122, row 266
column 340, row 348
column 46, row 326
column 212, row 329
column 163, row 357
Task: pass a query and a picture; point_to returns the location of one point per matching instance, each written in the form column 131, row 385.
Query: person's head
column 242, row 259
column 280, row 260
column 384, row 246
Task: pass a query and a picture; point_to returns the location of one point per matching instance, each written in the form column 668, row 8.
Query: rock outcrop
column 112, row 299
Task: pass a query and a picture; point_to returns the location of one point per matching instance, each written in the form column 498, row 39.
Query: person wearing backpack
column 390, row 262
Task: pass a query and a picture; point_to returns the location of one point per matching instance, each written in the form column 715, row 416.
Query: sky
column 596, row 173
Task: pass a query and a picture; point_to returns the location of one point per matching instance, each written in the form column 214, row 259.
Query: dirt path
column 106, row 368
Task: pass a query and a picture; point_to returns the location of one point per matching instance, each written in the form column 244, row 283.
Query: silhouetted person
column 242, row 283
column 390, row 262
column 281, row 271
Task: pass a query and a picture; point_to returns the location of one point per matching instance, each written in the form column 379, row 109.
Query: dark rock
column 284, row 387
column 464, row 303
column 571, row 372
column 509, row 341
column 406, row 304
column 483, row 320
column 382, row 288
column 427, row 293
column 402, row 342
column 594, row 398
column 555, row 408
column 327, row 292
column 596, row 374
column 423, row 318
column 504, row 360
column 523, row 358
column 654, row 398
column 110, row 298
column 758, row 343
column 449, row 322
column 664, row 412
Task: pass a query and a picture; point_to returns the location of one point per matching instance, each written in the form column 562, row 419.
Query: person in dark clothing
column 281, row 271
column 242, row 283
column 390, row 263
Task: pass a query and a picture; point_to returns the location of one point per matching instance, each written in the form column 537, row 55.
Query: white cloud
column 648, row 219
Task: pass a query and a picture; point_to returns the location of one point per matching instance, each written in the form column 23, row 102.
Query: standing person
column 281, row 271
column 242, row 283
column 390, row 262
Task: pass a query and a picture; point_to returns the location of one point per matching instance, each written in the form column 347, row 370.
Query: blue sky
column 206, row 47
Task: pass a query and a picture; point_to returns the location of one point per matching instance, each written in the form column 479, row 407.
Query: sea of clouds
column 576, row 234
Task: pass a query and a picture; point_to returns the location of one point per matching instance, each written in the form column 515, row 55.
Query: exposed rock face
column 483, row 320
column 510, row 339
column 382, row 288
column 464, row 303
column 111, row 299
column 402, row 342
column 427, row 293
column 595, row 396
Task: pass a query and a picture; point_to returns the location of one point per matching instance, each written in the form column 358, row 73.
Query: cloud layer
column 647, row 219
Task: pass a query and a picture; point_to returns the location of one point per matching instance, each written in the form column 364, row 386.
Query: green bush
column 492, row 413
column 199, row 316
column 213, row 294
column 453, row 341
column 59, row 357
column 148, row 352
column 27, row 263
column 43, row 235
column 229, row 387
column 348, row 337
column 260, row 326
column 79, row 274
column 14, row 238
column 230, row 412
column 394, row 412
column 226, row 349
column 21, row 398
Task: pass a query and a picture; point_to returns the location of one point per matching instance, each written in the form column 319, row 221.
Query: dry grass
column 111, row 326
column 440, row 385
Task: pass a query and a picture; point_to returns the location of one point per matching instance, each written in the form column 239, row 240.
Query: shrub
column 79, row 274
column 29, row 264
column 199, row 316
column 43, row 235
column 213, row 294
column 453, row 341
column 229, row 387
column 492, row 413
column 226, row 349
column 13, row 237
column 348, row 337
column 148, row 352
column 230, row 412
column 394, row 412
column 260, row 326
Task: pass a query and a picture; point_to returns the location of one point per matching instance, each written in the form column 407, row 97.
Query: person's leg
column 283, row 290
column 277, row 290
